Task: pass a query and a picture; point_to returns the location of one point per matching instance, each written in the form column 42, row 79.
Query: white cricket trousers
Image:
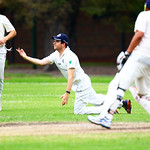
column 88, row 96
column 2, row 66
column 110, row 96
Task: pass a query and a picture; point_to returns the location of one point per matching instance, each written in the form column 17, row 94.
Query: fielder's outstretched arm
column 35, row 61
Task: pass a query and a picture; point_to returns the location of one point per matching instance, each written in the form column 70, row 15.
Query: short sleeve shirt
column 5, row 25
column 143, row 24
column 67, row 60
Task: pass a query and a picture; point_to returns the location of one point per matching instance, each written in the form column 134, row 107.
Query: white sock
column 115, row 105
column 113, row 109
column 109, row 116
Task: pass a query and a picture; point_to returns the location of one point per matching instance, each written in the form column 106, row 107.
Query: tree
column 56, row 16
column 120, row 13
column 60, row 15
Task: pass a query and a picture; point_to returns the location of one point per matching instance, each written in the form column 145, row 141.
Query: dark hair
column 64, row 42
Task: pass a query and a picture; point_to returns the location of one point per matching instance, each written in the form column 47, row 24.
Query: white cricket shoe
column 94, row 119
column 105, row 122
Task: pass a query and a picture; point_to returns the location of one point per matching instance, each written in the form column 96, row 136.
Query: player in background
column 112, row 91
column 5, row 25
column 136, row 68
column 68, row 64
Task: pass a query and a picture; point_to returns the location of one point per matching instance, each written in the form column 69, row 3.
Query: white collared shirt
column 69, row 60
column 143, row 24
column 141, row 52
column 5, row 25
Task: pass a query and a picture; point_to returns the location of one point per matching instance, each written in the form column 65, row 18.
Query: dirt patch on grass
column 66, row 128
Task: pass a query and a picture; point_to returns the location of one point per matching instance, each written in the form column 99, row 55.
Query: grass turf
column 29, row 98
column 103, row 141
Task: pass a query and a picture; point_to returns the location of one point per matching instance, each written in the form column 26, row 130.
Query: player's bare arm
column 35, row 61
column 135, row 41
column 69, row 85
column 123, row 56
column 11, row 34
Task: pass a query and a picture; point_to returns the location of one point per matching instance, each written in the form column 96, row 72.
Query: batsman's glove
column 121, row 59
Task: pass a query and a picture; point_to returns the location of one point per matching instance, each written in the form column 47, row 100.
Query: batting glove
column 121, row 59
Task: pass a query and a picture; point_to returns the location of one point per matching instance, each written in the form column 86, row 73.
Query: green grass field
column 35, row 98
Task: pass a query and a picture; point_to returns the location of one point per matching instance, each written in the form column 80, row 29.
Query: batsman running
column 68, row 64
column 136, row 69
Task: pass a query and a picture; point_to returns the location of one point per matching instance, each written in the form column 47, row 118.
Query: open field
column 33, row 118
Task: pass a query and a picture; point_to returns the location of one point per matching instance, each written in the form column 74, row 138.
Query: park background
column 32, row 116
column 98, row 29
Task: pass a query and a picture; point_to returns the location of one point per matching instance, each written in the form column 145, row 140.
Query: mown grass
column 103, row 141
column 30, row 98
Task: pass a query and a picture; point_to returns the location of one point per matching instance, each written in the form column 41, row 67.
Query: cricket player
column 68, row 64
column 5, row 26
column 136, row 68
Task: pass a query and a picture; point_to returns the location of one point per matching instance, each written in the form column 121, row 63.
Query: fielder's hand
column 21, row 52
column 2, row 41
column 65, row 99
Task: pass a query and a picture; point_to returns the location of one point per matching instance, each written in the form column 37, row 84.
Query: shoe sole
column 98, row 123
column 105, row 126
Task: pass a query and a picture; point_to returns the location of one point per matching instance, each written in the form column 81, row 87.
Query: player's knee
column 79, row 111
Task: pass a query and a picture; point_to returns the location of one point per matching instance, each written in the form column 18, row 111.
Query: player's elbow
column 139, row 34
column 43, row 62
column 14, row 32
column 40, row 63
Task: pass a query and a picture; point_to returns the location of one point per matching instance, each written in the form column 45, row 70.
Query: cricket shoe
column 94, row 119
column 127, row 106
column 116, row 112
column 105, row 122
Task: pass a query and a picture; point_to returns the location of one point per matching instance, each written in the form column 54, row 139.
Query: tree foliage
column 47, row 10
column 120, row 13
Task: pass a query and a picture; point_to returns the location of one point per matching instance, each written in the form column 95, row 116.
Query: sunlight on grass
column 35, row 98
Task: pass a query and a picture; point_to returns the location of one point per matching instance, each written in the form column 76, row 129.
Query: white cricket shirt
column 70, row 60
column 142, row 51
column 5, row 25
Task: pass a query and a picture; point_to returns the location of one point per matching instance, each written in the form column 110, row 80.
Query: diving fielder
column 5, row 25
column 68, row 64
